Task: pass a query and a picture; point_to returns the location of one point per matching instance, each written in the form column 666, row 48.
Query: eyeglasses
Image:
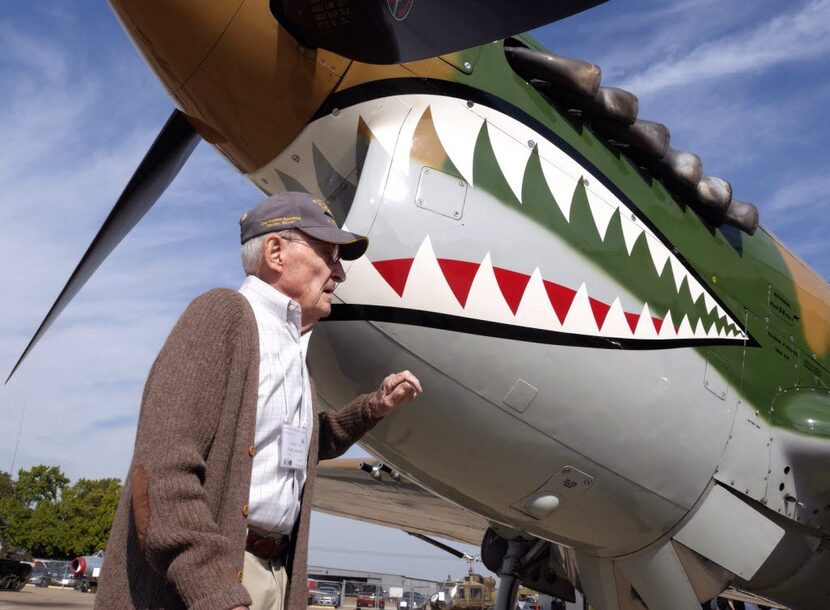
column 332, row 256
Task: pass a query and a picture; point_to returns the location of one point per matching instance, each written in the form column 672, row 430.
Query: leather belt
column 266, row 548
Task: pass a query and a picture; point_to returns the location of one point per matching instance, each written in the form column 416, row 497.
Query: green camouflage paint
column 740, row 269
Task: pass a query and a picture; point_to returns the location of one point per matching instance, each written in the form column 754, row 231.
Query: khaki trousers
column 266, row 582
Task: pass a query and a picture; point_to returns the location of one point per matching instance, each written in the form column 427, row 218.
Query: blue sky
column 744, row 85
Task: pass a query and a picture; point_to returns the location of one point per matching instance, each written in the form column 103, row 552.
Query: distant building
column 391, row 583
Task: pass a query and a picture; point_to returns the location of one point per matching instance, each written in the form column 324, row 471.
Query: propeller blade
column 398, row 31
column 157, row 170
column 440, row 545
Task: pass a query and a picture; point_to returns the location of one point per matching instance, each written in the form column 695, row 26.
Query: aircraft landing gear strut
column 508, row 575
column 517, row 560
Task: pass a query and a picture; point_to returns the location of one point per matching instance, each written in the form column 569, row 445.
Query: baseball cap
column 301, row 211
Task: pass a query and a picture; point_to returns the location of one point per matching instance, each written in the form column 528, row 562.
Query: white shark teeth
column 499, row 295
column 580, row 319
column 659, row 253
column 365, row 286
column 601, row 211
column 645, row 325
column 561, row 185
column 615, row 323
column 457, row 131
column 685, row 331
column 535, row 309
column 423, row 291
column 631, row 232
column 485, row 300
column 512, row 158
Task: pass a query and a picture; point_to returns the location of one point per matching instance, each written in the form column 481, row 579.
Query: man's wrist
column 374, row 407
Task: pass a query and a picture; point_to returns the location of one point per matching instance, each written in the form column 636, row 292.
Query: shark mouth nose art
column 482, row 299
column 659, row 302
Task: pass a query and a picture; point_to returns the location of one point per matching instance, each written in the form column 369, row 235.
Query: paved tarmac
column 65, row 597
column 51, row 597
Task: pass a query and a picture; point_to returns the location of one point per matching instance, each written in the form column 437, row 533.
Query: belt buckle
column 264, row 547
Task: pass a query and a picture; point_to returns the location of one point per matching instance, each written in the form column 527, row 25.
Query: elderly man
column 215, row 512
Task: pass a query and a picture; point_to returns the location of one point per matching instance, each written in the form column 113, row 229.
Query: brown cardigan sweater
column 179, row 534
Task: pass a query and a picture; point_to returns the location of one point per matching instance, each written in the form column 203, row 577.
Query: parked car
column 84, row 586
column 412, row 600
column 65, row 578
column 528, row 603
column 370, row 596
column 41, row 575
column 326, row 594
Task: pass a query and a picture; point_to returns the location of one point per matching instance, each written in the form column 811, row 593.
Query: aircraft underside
column 593, row 423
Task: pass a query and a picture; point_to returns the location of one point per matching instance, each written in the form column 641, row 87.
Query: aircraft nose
column 175, row 35
column 242, row 81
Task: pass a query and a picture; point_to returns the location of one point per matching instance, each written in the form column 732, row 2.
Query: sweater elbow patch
column 141, row 504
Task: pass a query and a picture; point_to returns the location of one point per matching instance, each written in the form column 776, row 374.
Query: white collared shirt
column 284, row 398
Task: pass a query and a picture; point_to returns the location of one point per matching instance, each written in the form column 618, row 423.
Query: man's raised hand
column 395, row 389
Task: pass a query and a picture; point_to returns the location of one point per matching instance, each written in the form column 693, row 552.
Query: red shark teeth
column 512, row 285
column 600, row 310
column 561, row 298
column 460, row 276
column 395, row 272
column 632, row 319
column 658, row 324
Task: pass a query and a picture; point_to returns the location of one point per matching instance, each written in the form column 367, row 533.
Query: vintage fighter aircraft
column 628, row 377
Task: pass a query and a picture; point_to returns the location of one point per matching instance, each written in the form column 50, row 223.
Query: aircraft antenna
column 19, row 432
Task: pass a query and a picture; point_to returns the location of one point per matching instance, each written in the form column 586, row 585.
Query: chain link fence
column 387, row 592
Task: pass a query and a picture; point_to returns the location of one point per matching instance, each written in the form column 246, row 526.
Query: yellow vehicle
column 475, row 592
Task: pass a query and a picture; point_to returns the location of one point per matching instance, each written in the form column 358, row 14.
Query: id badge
column 293, row 454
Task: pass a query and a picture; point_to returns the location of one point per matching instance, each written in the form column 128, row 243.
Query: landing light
column 541, row 506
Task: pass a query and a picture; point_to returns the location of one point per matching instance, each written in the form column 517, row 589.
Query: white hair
column 252, row 252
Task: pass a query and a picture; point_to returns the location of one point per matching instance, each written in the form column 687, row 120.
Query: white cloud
column 800, row 196
column 42, row 108
column 801, row 34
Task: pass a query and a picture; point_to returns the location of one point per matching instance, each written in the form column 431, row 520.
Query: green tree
column 42, row 532
column 40, row 484
column 14, row 512
column 31, row 510
column 54, row 519
column 87, row 510
column 6, row 485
